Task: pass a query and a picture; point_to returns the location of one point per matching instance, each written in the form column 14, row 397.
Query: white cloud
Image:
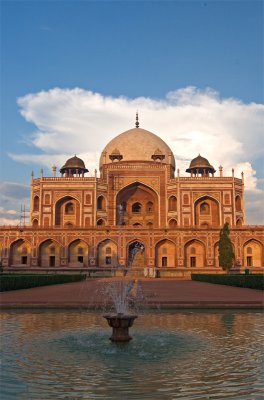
column 191, row 121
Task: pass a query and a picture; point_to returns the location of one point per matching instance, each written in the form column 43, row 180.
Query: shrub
column 251, row 281
column 25, row 281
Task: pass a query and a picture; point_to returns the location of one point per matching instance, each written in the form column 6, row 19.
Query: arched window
column 238, row 203
column 100, row 222
column 80, row 250
column 185, row 199
column 172, row 223
column 249, row 250
column 136, row 208
column 239, row 222
column 149, row 207
column 204, row 208
column 227, row 220
column 47, row 199
column 172, row 203
column 149, row 225
column 35, row 222
column 69, row 208
column 101, row 203
column 36, row 203
column 137, row 225
column 108, row 250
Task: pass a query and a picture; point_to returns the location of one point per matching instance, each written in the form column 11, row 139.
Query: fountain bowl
column 120, row 324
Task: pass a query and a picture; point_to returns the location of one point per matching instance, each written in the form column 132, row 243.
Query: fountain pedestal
column 120, row 324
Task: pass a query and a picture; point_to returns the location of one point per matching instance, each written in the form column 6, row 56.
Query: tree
column 226, row 254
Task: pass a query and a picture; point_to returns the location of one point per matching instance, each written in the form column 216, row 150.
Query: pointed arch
column 206, row 211
column 194, row 254
column 67, row 210
column 165, row 253
column 136, row 254
column 49, row 253
column 78, row 252
column 105, row 258
column 252, row 253
column 20, row 253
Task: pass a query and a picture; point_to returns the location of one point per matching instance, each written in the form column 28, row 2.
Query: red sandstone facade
column 137, row 214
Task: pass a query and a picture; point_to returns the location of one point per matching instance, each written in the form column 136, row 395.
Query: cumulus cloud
column 191, row 121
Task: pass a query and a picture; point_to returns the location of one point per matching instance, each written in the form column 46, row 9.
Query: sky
column 74, row 73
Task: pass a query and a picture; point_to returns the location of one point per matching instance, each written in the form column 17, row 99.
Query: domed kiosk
column 200, row 165
column 74, row 166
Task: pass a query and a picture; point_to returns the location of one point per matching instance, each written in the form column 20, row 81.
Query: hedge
column 251, row 281
column 26, row 281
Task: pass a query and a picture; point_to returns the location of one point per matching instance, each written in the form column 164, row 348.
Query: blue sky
column 122, row 48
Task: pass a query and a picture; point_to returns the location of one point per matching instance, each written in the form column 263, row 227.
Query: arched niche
column 173, row 223
column 136, row 254
column 172, row 203
column 100, row 222
column 78, row 253
column 137, row 203
column 238, row 203
column 253, row 253
column 165, row 253
column 194, row 252
column 49, row 253
column 67, row 211
column 35, row 222
column 107, row 254
column 206, row 211
column 20, row 253
column 36, row 203
column 101, row 203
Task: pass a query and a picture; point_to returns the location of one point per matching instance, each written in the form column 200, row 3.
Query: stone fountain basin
column 120, row 323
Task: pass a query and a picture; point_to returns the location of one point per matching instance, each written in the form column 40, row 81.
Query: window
column 172, row 223
column 100, row 222
column 52, row 249
column 249, row 250
column 204, row 208
column 192, row 250
column 35, row 222
column 149, row 207
column 108, row 260
column 108, row 250
column 80, row 259
column 80, row 250
column 136, row 208
column 69, row 208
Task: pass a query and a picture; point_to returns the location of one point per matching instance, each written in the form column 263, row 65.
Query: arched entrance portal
column 136, row 255
column 137, row 204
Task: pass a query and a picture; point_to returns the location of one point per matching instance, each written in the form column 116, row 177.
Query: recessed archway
column 107, row 254
column 67, row 211
column 206, row 212
column 20, row 253
column 194, row 252
column 136, row 254
column 49, row 253
column 137, row 203
column 78, row 253
column 253, row 253
column 165, row 253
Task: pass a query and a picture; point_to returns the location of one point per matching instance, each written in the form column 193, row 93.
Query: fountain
column 123, row 294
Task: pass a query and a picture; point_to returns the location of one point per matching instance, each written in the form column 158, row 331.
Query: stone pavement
column 160, row 293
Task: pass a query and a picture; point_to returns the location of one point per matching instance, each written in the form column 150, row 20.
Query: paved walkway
column 164, row 293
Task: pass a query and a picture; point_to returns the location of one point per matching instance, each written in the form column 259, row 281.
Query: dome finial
column 137, row 123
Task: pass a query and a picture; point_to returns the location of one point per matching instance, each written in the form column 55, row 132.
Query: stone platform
column 158, row 293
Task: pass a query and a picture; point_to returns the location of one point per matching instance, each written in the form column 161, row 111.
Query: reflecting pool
column 173, row 355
